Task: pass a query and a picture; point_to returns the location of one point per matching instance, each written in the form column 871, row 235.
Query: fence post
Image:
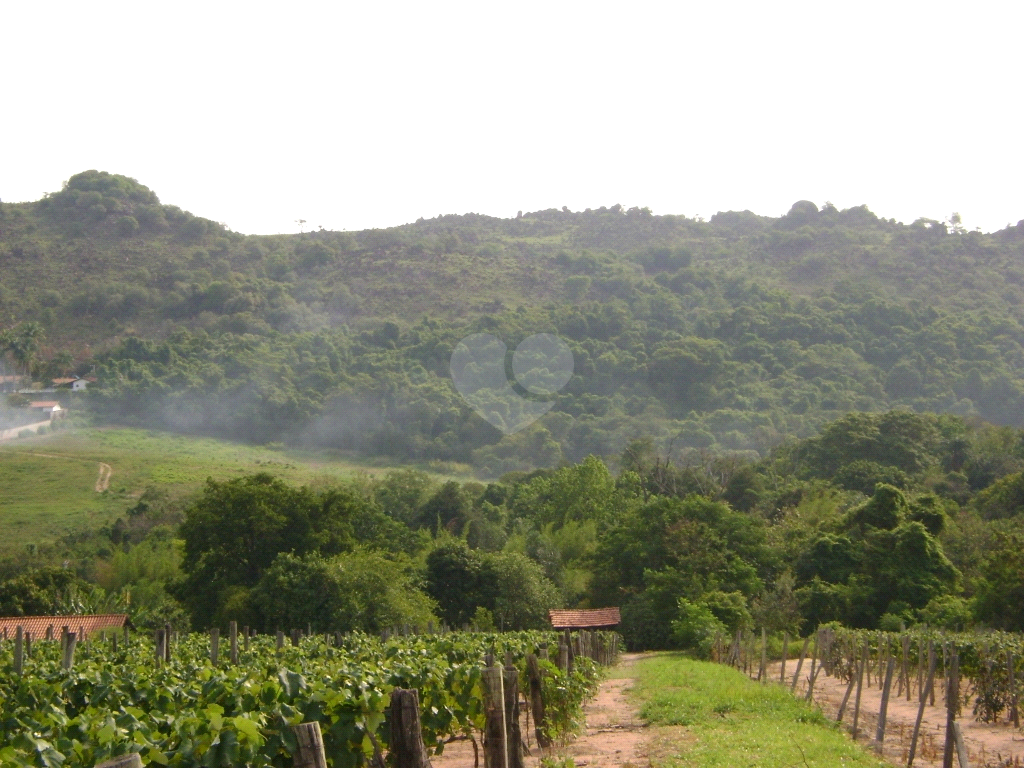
column 563, row 657
column 864, row 664
column 245, row 639
column 800, row 664
column 785, row 647
column 159, row 638
column 309, row 746
column 880, row 731
column 923, row 696
column 19, row 651
column 1014, row 715
column 406, row 748
column 495, row 735
column 815, row 667
column 131, row 760
column 167, row 643
column 952, row 702
column 214, row 645
column 513, row 731
column 280, row 640
column 28, row 645
column 233, row 635
column 69, row 652
column 537, row 700
column 764, row 654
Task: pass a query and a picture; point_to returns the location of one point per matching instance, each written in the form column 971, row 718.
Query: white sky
column 374, row 114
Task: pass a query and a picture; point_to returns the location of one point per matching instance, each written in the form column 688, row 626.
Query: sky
column 352, row 116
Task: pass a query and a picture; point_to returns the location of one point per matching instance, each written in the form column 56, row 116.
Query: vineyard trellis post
column 233, row 639
column 309, row 746
column 19, row 651
column 815, row 665
column 1012, row 679
column 407, row 749
column 864, row 664
column 214, row 645
column 537, row 700
column 131, row 760
column 883, row 711
column 923, row 696
column 167, row 643
column 68, row 660
column 952, row 704
column 800, row 664
column 785, row 647
column 513, row 733
column 764, row 655
column 495, row 735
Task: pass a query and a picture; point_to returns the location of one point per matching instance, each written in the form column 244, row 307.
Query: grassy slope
column 47, row 484
column 729, row 720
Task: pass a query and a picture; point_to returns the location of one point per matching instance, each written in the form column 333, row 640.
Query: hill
column 729, row 334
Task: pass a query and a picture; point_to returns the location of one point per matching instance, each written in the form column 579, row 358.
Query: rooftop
column 591, row 618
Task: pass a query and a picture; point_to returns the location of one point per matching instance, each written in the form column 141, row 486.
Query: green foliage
column 356, row 591
column 696, row 628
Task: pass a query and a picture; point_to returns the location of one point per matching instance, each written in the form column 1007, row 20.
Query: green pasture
column 47, row 483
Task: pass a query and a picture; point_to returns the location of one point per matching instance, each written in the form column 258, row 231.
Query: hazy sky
column 375, row 114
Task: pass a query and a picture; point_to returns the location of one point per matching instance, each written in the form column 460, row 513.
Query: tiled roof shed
column 38, row 625
column 593, row 618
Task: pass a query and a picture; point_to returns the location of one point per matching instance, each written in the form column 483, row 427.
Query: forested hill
column 730, row 334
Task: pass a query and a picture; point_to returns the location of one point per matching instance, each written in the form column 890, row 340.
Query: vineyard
column 182, row 702
column 968, row 675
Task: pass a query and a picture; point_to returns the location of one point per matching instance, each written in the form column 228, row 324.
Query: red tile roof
column 43, row 404
column 38, row 625
column 584, row 619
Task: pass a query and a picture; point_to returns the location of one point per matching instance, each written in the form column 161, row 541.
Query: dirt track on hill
column 102, row 481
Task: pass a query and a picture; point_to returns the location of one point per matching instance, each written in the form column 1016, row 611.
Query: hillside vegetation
column 729, row 334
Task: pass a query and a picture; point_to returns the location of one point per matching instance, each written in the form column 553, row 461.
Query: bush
column 696, row 628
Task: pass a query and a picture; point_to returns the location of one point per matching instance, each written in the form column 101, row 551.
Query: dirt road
column 613, row 736
column 102, row 481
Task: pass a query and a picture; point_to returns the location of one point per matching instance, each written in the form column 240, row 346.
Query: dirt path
column 988, row 744
column 613, row 737
column 102, row 481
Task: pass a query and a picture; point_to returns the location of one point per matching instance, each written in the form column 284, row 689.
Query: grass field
column 729, row 720
column 48, row 483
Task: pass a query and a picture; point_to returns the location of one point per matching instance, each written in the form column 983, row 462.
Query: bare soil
column 613, row 737
column 988, row 744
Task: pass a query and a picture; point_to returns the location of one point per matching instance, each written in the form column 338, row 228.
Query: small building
column 49, row 408
column 51, row 627
column 9, row 383
column 585, row 618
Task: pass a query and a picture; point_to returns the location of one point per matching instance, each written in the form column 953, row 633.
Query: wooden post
column 865, row 662
column 799, row 664
column 904, row 669
column 537, row 701
column 923, row 695
column 19, row 651
column 245, row 639
column 785, row 647
column 296, row 637
column 167, row 643
column 233, row 636
column 495, row 735
column 69, row 652
column 214, row 645
column 1014, row 714
column 572, row 653
column 815, row 667
column 952, row 702
column 113, row 642
column 563, row 657
column 513, row 732
column 159, row 638
column 407, row 748
column 961, row 748
column 849, row 688
column 764, row 655
column 131, row 760
column 886, row 687
column 280, row 640
column 28, row 645
column 309, row 746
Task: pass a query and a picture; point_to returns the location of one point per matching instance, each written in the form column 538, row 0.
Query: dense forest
column 729, row 335
column 882, row 520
